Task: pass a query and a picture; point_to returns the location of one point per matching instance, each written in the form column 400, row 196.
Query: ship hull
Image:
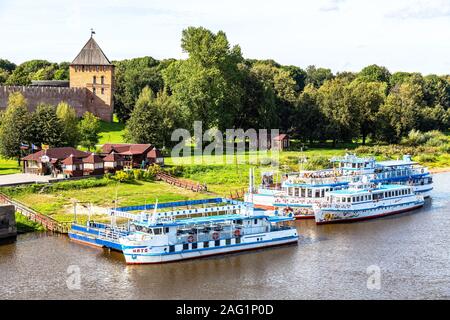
column 246, row 244
column 338, row 216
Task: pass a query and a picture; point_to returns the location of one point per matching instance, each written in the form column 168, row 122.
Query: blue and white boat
column 298, row 192
column 215, row 226
column 365, row 201
column 164, row 238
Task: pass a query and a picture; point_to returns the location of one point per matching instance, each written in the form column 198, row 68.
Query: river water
column 403, row 256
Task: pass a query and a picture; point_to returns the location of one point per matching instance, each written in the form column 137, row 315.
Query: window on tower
column 94, row 81
column 93, row 90
column 103, row 90
column 102, row 80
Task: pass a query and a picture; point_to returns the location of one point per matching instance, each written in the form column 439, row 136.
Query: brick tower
column 92, row 70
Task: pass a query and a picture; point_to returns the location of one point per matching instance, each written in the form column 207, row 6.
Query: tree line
column 56, row 126
column 217, row 85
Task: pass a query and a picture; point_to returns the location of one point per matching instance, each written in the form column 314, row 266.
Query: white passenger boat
column 365, row 201
column 163, row 238
column 299, row 191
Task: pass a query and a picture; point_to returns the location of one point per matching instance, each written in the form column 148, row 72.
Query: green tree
column 69, row 121
column 401, row 111
column 317, row 76
column 7, row 65
column 62, row 73
column 374, row 73
column 436, row 91
column 207, row 83
column 4, row 75
column 131, row 76
column 15, row 126
column 25, row 72
column 46, row 127
column 307, row 119
column 89, row 130
column 367, row 99
column 337, row 105
column 153, row 119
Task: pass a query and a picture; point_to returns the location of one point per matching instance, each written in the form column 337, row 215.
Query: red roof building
column 49, row 161
column 93, row 165
column 280, row 142
column 135, row 155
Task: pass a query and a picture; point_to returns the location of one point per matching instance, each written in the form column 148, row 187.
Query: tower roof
column 91, row 54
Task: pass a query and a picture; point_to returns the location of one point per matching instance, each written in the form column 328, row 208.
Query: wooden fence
column 196, row 187
column 46, row 221
column 238, row 193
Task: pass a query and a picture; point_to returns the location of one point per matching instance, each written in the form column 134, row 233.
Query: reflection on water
column 330, row 261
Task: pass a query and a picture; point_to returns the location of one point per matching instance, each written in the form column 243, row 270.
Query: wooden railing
column 196, row 187
column 238, row 193
column 46, row 221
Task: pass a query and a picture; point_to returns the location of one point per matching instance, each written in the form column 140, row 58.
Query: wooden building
column 134, row 155
column 49, row 161
column 280, row 142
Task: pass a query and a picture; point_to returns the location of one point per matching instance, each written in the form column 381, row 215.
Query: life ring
column 190, row 239
column 215, row 235
column 237, row 232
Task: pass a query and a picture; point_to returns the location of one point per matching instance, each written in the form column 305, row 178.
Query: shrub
column 121, row 176
column 317, row 163
column 414, row 138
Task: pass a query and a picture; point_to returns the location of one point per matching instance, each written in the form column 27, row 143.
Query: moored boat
column 166, row 240
column 299, row 191
column 366, row 201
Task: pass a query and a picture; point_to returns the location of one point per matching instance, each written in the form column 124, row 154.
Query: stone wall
column 79, row 98
column 7, row 222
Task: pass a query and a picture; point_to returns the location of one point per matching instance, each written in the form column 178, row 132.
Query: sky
column 343, row 35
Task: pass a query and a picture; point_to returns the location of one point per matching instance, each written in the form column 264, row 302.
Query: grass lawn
column 59, row 205
column 8, row 166
column 111, row 132
column 222, row 178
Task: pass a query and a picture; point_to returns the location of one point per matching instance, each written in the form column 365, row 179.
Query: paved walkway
column 22, row 178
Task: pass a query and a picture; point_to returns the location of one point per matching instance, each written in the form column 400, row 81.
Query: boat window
column 228, row 242
column 166, row 230
column 309, row 193
column 217, row 243
column 349, row 200
column 302, row 192
column 171, row 248
column 290, row 191
column 206, row 244
column 194, row 245
column 322, row 193
column 238, row 240
column 185, row 246
column 256, row 221
column 317, row 193
column 238, row 221
column 296, row 192
column 157, row 231
column 344, row 199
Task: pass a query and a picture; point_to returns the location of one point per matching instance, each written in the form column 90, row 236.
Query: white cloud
column 336, row 34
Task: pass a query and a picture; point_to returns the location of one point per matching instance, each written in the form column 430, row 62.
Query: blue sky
column 403, row 35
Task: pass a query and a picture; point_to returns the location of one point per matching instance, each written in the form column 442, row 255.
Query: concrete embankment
column 8, row 230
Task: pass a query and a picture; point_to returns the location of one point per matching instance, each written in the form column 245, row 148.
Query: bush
column 121, row 176
column 414, row 138
column 317, row 163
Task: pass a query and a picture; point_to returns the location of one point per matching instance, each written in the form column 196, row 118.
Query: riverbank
column 440, row 170
column 24, row 225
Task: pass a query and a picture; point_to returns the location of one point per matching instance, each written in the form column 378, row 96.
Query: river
column 408, row 254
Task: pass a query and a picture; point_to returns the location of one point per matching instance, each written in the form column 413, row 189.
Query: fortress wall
column 79, row 98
